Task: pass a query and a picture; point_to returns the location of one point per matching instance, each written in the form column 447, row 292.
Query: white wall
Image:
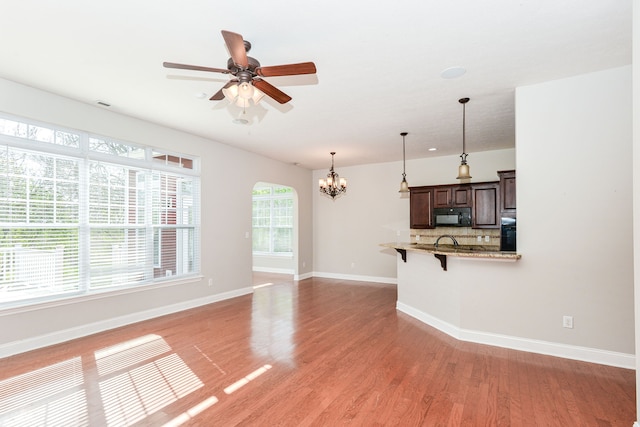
column 573, row 144
column 226, row 217
column 347, row 231
column 636, row 186
column 282, row 264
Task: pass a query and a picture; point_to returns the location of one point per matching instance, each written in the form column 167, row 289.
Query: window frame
column 153, row 161
column 272, row 197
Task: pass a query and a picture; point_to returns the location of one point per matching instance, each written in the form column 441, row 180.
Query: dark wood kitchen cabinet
column 485, row 209
column 507, row 193
column 452, row 197
column 483, row 198
column 421, row 207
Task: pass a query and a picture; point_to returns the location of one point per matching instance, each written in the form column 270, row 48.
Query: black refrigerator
column 508, row 234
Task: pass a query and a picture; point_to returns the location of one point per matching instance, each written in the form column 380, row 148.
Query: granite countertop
column 464, row 251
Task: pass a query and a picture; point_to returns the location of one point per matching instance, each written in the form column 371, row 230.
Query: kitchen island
column 455, row 291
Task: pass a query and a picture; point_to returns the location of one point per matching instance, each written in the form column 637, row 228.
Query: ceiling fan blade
column 219, row 96
column 287, row 70
column 193, row 67
column 272, row 91
column 235, row 44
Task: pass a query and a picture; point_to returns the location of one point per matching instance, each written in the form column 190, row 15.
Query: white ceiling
column 379, row 66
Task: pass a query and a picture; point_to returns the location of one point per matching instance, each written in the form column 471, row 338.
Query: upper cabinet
column 507, row 193
column 421, row 207
column 489, row 201
column 452, row 196
column 485, row 213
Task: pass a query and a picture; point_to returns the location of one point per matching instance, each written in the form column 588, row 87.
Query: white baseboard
column 273, row 270
column 585, row 354
column 12, row 348
column 375, row 279
column 302, row 276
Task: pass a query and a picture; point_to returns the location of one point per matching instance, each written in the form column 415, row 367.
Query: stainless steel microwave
column 452, row 217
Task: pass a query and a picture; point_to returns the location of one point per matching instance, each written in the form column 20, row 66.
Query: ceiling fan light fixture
column 234, row 95
column 257, row 95
column 231, row 93
column 245, row 90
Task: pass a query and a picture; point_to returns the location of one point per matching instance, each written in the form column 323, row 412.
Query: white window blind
column 83, row 214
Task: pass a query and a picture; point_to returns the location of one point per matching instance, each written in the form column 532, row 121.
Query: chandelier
column 333, row 185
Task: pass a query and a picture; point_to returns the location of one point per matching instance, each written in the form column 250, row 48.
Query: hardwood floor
column 318, row 352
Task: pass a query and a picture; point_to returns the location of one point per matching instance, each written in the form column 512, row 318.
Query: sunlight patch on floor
column 133, row 380
column 53, row 395
column 137, row 393
column 262, row 285
column 128, row 353
column 191, row 413
column 246, row 380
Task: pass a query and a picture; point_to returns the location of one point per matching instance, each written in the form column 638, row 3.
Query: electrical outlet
column 479, row 239
column 210, row 282
column 567, row 322
column 487, row 239
column 417, row 237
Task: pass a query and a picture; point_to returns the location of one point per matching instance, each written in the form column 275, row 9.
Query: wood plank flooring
column 318, row 352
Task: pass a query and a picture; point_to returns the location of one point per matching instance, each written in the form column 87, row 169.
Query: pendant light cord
column 403, row 157
column 464, row 121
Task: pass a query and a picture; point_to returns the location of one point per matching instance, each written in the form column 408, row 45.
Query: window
column 272, row 219
column 83, row 214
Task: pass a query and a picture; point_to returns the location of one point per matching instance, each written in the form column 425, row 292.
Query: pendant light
column 463, row 169
column 404, row 185
column 333, row 185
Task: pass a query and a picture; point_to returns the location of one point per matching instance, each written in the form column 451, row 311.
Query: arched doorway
column 274, row 230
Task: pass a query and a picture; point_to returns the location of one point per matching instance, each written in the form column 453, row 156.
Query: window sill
column 274, row 254
column 76, row 298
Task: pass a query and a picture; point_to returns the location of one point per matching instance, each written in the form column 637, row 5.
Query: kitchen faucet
column 455, row 242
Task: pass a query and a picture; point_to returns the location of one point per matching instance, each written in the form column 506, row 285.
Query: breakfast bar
column 441, row 252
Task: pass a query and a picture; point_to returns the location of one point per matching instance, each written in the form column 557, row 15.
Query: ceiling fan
column 247, row 73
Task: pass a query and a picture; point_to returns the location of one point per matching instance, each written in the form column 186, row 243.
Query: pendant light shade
column 463, row 169
column 404, row 185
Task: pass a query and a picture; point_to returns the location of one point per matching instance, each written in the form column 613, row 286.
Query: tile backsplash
column 464, row 236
